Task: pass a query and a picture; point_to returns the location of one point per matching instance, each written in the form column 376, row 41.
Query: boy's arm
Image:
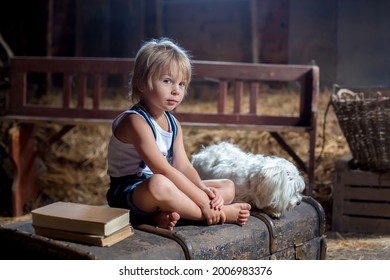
column 134, row 129
column 182, row 163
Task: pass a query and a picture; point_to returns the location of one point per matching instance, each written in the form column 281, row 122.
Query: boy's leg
column 160, row 194
column 235, row 213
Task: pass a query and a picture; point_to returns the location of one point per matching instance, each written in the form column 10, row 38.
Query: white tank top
column 123, row 158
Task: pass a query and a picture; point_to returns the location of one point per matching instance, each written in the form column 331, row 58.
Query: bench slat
column 222, row 97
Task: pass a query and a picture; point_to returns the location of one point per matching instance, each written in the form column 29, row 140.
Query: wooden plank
column 59, row 120
column 73, row 64
column 359, row 178
column 289, row 150
column 367, row 209
column 311, row 151
column 222, row 96
column 274, row 128
column 55, row 113
column 237, row 119
column 364, row 225
column 18, row 91
column 216, row 69
column 338, row 196
column 22, row 151
column 367, row 193
column 108, row 120
column 251, row 71
column 204, row 118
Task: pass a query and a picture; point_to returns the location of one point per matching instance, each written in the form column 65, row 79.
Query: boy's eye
column 167, row 81
column 182, row 84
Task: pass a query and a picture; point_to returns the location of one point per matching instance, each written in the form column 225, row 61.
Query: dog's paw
column 272, row 213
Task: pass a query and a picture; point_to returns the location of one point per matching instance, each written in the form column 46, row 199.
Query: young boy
column 149, row 170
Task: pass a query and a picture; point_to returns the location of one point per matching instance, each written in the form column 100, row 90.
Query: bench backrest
column 90, row 72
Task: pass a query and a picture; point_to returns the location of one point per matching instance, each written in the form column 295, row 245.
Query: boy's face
column 169, row 87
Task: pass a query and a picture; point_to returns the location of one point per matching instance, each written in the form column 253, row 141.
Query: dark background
column 348, row 39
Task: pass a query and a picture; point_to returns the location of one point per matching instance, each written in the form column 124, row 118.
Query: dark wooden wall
column 347, row 39
column 363, row 48
column 212, row 30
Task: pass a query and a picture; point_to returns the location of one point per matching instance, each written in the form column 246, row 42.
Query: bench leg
column 23, row 153
column 311, row 167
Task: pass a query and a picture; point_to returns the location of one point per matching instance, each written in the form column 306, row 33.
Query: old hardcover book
column 97, row 240
column 82, row 218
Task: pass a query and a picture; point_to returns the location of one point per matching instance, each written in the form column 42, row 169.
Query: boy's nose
column 175, row 90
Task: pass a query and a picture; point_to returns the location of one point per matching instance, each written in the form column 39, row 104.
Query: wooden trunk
column 297, row 235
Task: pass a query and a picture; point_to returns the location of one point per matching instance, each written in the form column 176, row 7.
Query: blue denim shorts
column 121, row 191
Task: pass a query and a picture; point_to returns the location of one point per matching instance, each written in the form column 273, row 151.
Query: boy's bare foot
column 166, row 219
column 237, row 213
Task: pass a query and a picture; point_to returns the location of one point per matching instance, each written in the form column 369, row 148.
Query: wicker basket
column 364, row 117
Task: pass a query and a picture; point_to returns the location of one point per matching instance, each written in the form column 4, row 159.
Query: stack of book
column 89, row 224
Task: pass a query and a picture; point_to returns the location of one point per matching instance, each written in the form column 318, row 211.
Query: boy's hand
column 216, row 200
column 212, row 216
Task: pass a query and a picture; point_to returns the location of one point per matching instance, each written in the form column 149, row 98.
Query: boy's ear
column 141, row 87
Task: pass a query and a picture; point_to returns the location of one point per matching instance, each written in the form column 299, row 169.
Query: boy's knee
column 160, row 186
column 230, row 187
column 229, row 184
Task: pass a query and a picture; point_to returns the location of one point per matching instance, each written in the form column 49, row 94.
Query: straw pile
column 354, row 246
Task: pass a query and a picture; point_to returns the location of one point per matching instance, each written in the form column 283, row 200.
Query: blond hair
column 154, row 56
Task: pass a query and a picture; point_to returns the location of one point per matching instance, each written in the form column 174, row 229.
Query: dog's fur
column 269, row 183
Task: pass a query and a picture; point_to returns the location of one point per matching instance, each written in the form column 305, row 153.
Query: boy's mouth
column 172, row 102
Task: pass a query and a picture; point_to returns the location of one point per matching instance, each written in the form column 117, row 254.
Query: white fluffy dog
column 269, row 183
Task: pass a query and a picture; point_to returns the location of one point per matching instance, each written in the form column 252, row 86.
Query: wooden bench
column 83, row 78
